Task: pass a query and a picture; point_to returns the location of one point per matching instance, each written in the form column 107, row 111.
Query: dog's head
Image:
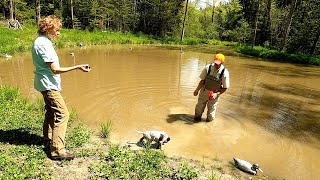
column 168, row 139
column 161, row 138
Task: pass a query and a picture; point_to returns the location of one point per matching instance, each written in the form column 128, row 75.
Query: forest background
column 289, row 26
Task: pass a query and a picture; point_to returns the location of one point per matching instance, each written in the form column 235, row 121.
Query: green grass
column 106, row 128
column 187, row 172
column 122, row 163
column 282, row 56
column 78, row 136
column 21, row 154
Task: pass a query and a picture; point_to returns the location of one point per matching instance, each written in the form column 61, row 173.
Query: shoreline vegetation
column 22, row 155
column 20, row 40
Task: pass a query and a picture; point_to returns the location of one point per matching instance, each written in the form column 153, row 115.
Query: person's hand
column 213, row 96
column 195, row 93
column 84, row 67
column 210, row 94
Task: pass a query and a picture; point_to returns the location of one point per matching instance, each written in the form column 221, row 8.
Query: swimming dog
column 160, row 137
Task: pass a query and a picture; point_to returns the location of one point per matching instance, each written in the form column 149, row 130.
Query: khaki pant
column 55, row 123
column 203, row 101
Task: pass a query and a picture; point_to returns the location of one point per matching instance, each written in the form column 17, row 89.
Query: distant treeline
column 291, row 26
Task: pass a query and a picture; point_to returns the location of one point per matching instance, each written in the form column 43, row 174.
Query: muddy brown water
column 270, row 115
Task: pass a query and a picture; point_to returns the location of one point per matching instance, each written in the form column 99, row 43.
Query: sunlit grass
column 122, row 163
column 270, row 54
column 106, row 128
column 187, row 172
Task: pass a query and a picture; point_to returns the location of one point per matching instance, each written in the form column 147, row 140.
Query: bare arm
column 56, row 69
column 200, row 85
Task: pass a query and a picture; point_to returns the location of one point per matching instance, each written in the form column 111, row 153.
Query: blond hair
column 48, row 23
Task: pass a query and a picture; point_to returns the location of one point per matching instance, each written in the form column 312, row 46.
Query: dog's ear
column 161, row 137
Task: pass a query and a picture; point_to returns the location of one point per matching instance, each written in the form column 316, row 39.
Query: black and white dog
column 160, row 137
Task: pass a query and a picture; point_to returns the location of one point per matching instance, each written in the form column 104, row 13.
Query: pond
column 270, row 115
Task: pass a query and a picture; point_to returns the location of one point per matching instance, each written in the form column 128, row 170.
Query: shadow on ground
column 20, row 136
column 187, row 118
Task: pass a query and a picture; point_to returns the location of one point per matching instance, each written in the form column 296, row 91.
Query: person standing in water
column 47, row 80
column 214, row 82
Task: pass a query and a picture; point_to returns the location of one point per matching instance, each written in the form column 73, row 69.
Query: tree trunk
column 315, row 42
column 14, row 5
column 269, row 19
column 205, row 15
column 38, row 16
column 144, row 17
column 212, row 16
column 287, row 24
column 11, row 10
column 72, row 18
column 184, row 20
column 256, row 25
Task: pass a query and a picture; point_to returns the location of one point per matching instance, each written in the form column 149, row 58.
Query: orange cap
column 219, row 58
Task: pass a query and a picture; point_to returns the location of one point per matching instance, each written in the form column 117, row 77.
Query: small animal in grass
column 160, row 137
column 246, row 166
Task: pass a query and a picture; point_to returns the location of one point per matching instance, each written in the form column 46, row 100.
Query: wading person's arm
column 200, row 85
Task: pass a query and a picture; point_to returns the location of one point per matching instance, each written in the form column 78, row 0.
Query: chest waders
column 213, row 83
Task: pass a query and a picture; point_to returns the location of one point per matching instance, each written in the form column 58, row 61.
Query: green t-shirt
column 43, row 52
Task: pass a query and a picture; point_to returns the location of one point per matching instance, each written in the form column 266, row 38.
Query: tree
column 287, row 24
column 71, row 10
column 212, row 14
column 256, row 24
column 315, row 42
column 38, row 10
column 184, row 20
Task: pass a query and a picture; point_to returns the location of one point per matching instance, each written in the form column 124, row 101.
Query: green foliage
column 21, row 154
column 88, row 152
column 265, row 53
column 23, row 162
column 232, row 20
column 122, row 163
column 214, row 176
column 187, row 172
column 9, row 93
column 106, row 128
column 13, row 41
column 78, row 136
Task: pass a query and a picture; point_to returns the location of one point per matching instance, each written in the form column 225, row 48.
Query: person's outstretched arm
column 56, row 69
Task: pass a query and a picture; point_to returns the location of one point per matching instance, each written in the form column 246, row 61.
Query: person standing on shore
column 214, row 82
column 47, row 80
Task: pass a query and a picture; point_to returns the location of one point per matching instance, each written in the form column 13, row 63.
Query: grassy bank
column 13, row 41
column 22, row 155
column 269, row 54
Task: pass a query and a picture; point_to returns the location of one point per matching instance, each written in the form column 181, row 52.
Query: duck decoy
column 7, row 56
column 246, row 166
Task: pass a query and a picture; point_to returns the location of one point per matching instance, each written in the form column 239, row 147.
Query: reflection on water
column 270, row 115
